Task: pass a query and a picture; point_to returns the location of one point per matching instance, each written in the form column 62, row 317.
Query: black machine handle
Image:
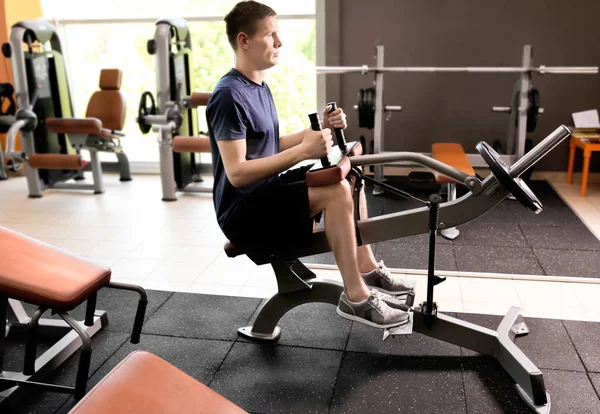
column 315, row 124
column 339, row 133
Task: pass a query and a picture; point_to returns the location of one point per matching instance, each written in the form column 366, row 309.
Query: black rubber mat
column 507, row 239
column 326, row 364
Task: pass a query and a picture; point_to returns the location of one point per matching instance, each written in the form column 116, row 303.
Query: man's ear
column 242, row 39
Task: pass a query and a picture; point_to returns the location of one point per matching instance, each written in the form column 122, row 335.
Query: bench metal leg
column 499, row 344
column 31, row 344
column 141, row 309
column 4, row 331
column 15, row 386
column 265, row 327
column 85, row 358
column 451, row 233
column 124, row 170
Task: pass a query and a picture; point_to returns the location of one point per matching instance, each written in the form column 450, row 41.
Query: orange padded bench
column 145, row 383
column 37, row 273
column 451, row 154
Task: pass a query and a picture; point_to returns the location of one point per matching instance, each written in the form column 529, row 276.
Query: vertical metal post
column 167, row 170
column 90, row 309
column 22, row 94
column 31, row 341
column 519, row 151
column 96, row 171
column 124, row 170
column 378, row 138
column 3, row 329
column 3, row 174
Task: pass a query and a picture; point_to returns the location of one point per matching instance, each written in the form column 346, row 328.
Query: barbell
column 560, row 70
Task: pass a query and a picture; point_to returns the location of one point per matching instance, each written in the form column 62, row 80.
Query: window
column 94, row 39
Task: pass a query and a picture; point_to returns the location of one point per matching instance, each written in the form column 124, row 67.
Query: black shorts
column 275, row 215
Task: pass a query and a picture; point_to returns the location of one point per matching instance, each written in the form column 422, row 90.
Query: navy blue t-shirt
column 239, row 108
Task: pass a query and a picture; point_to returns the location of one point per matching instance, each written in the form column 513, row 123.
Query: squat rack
column 517, row 133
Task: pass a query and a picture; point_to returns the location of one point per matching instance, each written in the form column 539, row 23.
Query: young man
column 258, row 206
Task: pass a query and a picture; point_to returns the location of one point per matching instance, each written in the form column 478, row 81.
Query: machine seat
column 105, row 114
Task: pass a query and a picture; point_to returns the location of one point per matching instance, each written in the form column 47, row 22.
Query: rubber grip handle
column 339, row 133
column 315, row 125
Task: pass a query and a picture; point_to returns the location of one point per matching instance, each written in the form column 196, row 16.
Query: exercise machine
column 7, row 118
column 298, row 285
column 522, row 113
column 172, row 115
column 51, row 139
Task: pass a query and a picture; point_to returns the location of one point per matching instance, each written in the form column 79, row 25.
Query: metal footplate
column 406, row 329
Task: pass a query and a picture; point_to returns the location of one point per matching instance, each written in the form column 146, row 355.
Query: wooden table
column 588, row 143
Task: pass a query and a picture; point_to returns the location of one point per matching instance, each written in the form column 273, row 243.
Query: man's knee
column 339, row 194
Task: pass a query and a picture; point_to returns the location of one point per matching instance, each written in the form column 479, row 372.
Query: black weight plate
column 515, row 186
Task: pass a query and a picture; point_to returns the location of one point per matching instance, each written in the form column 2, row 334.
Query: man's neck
column 251, row 73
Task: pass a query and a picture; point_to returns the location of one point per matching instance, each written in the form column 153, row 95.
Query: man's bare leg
column 337, row 202
column 365, row 256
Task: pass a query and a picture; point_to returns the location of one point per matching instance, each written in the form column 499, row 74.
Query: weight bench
column 145, row 383
column 454, row 155
column 52, row 279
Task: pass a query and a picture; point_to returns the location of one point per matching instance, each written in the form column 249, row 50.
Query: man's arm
column 337, row 119
column 291, row 140
column 242, row 172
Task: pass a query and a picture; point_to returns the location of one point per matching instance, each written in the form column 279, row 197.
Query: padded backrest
column 108, row 104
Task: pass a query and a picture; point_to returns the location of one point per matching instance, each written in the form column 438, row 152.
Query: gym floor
column 175, row 250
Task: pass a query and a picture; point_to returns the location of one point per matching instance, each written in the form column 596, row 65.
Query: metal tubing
column 156, row 119
column 167, row 171
column 3, row 327
column 124, row 170
column 48, row 362
column 378, row 132
column 141, row 310
column 566, row 70
column 424, row 160
column 11, row 135
column 516, row 144
column 162, row 36
column 541, row 149
column 506, row 109
column 90, row 309
column 31, row 341
column 85, row 357
column 96, row 171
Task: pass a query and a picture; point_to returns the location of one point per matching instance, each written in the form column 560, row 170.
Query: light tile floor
column 178, row 246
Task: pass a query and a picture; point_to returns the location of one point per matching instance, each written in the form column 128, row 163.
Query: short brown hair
column 244, row 17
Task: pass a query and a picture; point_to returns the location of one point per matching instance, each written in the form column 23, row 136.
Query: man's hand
column 317, row 144
column 336, row 119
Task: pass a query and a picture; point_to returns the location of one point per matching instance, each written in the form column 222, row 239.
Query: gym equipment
column 298, row 285
column 51, row 140
column 145, row 383
column 172, row 114
column 54, row 280
column 526, row 71
column 6, row 119
column 453, row 154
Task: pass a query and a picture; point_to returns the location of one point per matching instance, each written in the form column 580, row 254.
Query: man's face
column 263, row 47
